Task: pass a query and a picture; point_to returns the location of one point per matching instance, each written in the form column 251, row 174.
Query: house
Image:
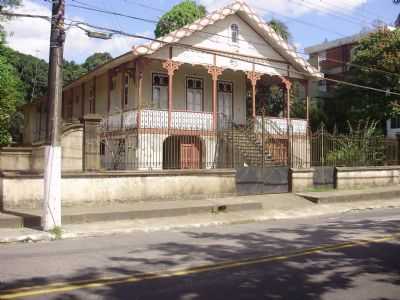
column 332, row 59
column 179, row 102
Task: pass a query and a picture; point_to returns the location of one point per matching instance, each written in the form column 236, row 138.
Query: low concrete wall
column 347, row 178
column 301, row 180
column 31, row 159
column 15, row 158
column 108, row 187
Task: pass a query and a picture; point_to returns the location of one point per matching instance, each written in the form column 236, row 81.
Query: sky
column 310, row 22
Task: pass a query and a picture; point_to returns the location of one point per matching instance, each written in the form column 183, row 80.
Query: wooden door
column 190, row 156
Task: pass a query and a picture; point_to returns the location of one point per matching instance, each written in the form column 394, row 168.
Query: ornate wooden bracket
column 215, row 72
column 286, row 82
column 171, row 66
column 253, row 77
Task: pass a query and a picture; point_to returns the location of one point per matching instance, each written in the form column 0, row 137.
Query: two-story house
column 165, row 103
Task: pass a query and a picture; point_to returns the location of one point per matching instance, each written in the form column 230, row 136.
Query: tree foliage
column 6, row 4
column 363, row 145
column 379, row 52
column 96, row 59
column 280, row 28
column 10, row 98
column 180, row 15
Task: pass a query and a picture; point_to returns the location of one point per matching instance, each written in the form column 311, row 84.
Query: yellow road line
column 106, row 281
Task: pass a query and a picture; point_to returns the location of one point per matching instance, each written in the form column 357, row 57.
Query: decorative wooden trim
column 215, row 72
column 171, row 66
column 253, row 77
column 286, row 82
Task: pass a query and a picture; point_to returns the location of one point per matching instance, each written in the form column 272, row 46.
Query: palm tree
column 280, row 28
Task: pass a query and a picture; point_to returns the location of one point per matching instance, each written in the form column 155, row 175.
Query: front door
column 225, row 101
column 190, row 156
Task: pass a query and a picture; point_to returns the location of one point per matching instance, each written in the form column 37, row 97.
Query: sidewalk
column 274, row 207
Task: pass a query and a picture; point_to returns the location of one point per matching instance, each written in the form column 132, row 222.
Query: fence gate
column 258, row 180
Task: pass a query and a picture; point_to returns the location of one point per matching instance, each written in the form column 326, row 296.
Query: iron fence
column 260, row 142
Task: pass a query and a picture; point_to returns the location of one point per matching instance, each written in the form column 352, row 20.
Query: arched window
column 235, row 33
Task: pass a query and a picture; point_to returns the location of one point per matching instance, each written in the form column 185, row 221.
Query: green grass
column 56, row 232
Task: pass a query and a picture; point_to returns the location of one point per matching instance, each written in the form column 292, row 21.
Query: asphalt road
column 348, row 256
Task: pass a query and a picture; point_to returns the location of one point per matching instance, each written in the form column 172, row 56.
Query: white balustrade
column 191, row 120
column 154, row 119
column 130, row 119
column 114, row 122
column 279, row 125
column 180, row 120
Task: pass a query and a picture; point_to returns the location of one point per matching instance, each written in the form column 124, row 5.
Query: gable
column 258, row 37
column 218, row 36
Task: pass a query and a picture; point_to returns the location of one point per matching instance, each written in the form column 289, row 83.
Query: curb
column 272, row 215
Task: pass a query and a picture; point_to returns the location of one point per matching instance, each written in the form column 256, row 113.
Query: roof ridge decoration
column 285, row 49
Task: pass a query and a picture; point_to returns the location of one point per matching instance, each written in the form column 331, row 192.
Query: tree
column 72, row 71
column 6, row 4
column 280, row 28
column 180, row 15
column 31, row 70
column 379, row 52
column 96, row 59
column 10, row 98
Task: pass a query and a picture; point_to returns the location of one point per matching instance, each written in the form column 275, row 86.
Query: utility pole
column 52, row 173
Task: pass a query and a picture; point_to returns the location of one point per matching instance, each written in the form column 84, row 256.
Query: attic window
column 235, row 33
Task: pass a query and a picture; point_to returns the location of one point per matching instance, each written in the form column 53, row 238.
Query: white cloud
column 292, row 7
column 31, row 36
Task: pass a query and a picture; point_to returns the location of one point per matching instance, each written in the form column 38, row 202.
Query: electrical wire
column 236, row 56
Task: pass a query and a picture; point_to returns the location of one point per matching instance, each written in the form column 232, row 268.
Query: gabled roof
column 348, row 40
column 237, row 7
column 245, row 12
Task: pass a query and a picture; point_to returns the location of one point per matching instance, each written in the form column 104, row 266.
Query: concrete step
column 142, row 210
column 378, row 193
column 10, row 221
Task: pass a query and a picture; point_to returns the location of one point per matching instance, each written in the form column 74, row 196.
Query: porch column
column 253, row 77
column 139, row 83
column 171, row 66
column 307, row 83
column 215, row 72
column 288, row 86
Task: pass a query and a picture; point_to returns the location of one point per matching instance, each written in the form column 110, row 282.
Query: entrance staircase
column 248, row 145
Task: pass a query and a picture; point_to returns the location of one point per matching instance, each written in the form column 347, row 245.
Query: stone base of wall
column 15, row 158
column 348, row 178
column 301, row 179
column 108, row 187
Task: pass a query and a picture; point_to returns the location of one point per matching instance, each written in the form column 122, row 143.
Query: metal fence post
column 262, row 138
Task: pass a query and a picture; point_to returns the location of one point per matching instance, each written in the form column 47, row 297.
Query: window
column 322, row 86
column 102, row 147
column 126, row 89
column 160, row 91
column 395, row 123
column 91, row 99
column 113, row 83
column 321, row 58
column 194, row 94
column 225, row 98
column 234, row 33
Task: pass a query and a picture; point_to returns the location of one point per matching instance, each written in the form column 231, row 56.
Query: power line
column 224, row 36
column 236, row 56
column 206, row 32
